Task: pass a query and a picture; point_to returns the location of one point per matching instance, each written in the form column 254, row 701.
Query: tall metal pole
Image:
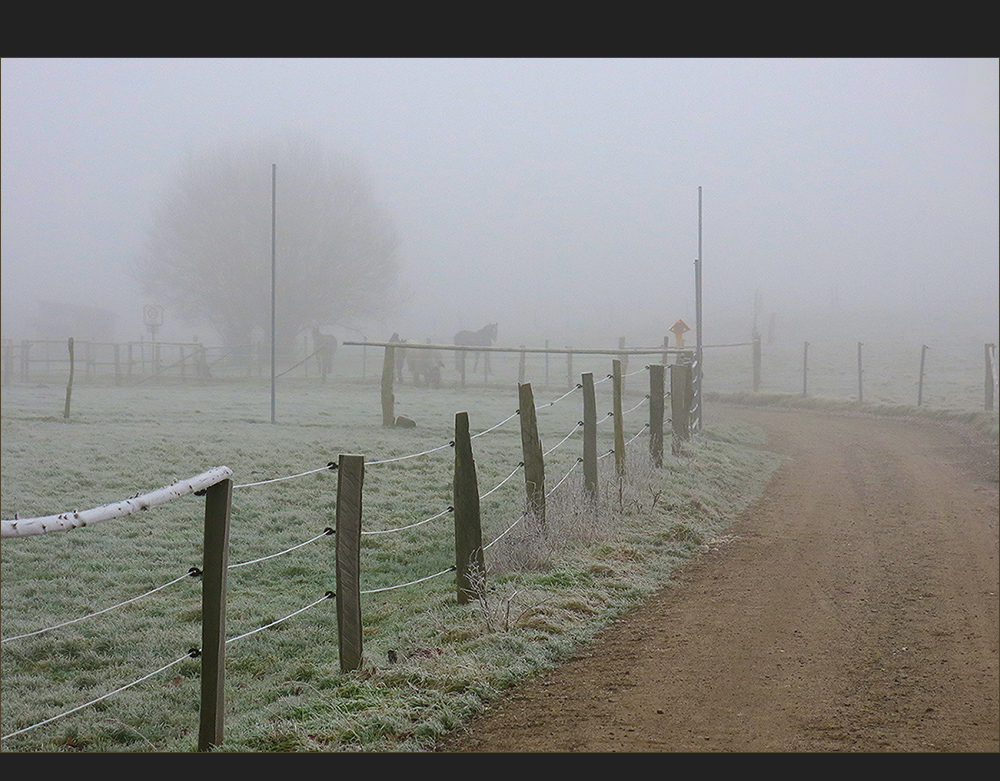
column 274, row 179
column 697, row 303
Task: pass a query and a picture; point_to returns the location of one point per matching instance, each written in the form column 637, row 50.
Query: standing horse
column 484, row 337
column 324, row 346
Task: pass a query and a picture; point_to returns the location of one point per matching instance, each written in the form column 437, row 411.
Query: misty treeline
column 209, row 250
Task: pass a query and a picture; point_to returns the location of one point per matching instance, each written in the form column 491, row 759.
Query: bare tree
column 208, row 253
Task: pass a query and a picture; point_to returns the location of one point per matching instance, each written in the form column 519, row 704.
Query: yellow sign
column 679, row 329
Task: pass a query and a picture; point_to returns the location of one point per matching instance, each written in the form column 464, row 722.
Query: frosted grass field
column 284, row 688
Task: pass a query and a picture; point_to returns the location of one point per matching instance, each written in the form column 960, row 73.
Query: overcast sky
column 547, row 193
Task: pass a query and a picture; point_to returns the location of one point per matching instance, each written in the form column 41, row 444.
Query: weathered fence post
column 680, row 404
column 805, row 365
column 666, row 355
column 118, row 365
column 531, row 449
column 350, row 479
column 388, row 398
column 756, row 363
column 520, row 368
column 25, row 359
column 656, row 391
column 8, row 360
column 616, row 379
column 920, row 382
column 624, row 359
column 468, row 528
column 218, row 500
column 990, row 351
column 589, row 436
column 861, row 391
column 569, row 369
column 69, row 385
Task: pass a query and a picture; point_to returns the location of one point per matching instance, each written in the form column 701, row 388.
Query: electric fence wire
column 189, row 654
column 120, row 689
column 188, row 574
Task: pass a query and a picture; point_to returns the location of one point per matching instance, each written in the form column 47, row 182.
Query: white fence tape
column 70, row 520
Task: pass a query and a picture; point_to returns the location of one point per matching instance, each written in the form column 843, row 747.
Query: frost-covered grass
column 543, row 594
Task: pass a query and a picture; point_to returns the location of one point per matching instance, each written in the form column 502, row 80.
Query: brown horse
column 484, row 337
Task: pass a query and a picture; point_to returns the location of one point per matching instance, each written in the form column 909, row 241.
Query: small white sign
column 153, row 314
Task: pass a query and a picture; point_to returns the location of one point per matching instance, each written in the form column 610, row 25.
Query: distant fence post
column 990, row 352
column 861, row 392
column 520, row 368
column 756, row 363
column 680, row 404
column 920, row 382
column 69, row 385
column 569, row 369
column 616, row 379
column 656, row 391
column 468, row 526
column 666, row 355
column 531, row 448
column 805, row 366
column 350, row 479
column 388, row 399
column 218, row 500
column 8, row 360
column 589, row 436
column 624, row 359
column 25, row 359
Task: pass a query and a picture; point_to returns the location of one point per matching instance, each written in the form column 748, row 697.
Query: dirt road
column 853, row 608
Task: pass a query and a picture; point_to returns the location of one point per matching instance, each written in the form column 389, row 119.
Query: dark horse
column 324, row 346
column 484, row 337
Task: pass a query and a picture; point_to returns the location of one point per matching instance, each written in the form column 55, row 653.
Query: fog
column 559, row 198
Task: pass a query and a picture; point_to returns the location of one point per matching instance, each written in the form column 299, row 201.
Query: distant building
column 57, row 321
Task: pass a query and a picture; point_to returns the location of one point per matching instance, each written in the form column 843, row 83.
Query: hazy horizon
column 553, row 196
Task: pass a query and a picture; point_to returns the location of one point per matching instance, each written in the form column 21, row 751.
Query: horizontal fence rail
column 77, row 518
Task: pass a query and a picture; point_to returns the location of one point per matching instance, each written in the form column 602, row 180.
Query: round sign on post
column 153, row 315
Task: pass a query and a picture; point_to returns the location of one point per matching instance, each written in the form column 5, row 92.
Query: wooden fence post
column 624, row 359
column 920, row 382
column 616, row 379
column 805, row 365
column 861, row 390
column 520, row 368
column 656, row 391
column 388, row 398
column 468, row 527
column 218, row 500
column 69, row 385
column 25, row 359
column 989, row 351
column 756, row 363
column 350, row 479
column 8, row 360
column 589, row 436
column 531, row 449
column 680, row 404
column 569, row 369
column 666, row 355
